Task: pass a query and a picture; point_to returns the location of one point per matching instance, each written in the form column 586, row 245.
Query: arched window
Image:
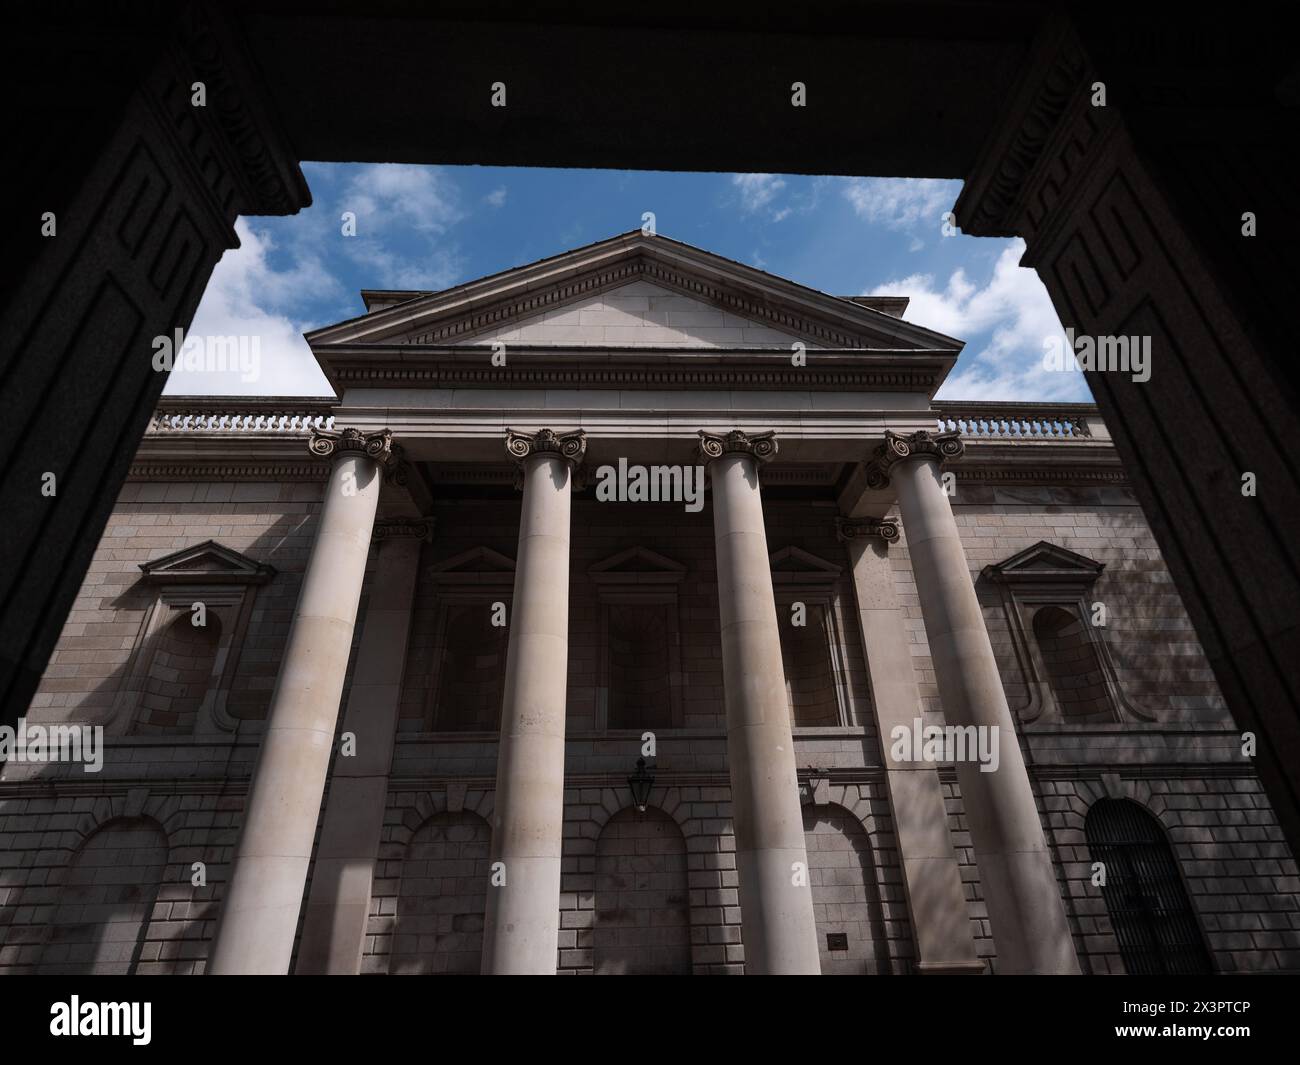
column 1074, row 670
column 1056, row 624
column 1148, row 906
column 180, row 674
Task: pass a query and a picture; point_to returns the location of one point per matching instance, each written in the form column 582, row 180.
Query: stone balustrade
column 238, row 415
column 1021, row 421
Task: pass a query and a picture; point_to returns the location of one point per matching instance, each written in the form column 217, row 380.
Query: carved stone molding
column 404, row 529
column 267, row 171
column 644, row 267
column 762, row 446
column 572, row 446
column 1050, row 130
column 228, row 471
column 546, row 369
column 921, row 444
column 397, row 470
column 885, row 529
column 376, row 445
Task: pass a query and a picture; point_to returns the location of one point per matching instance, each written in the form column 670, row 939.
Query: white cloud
column 757, row 190
column 496, row 198
column 391, row 201
column 388, row 196
column 245, row 298
column 1016, row 315
column 901, row 203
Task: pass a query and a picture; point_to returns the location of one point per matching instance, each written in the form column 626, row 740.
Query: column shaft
column 779, row 929
column 936, row 898
column 521, row 931
column 259, row 915
column 338, row 907
column 1019, row 882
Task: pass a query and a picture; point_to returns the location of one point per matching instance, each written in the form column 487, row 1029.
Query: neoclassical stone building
column 464, row 671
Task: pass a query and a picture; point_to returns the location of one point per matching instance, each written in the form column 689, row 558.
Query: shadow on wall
column 105, row 901
column 642, row 923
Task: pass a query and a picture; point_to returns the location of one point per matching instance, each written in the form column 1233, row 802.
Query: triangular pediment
column 479, row 565
column 207, row 563
column 1045, row 562
column 638, row 315
column 637, row 565
column 632, row 291
column 795, row 565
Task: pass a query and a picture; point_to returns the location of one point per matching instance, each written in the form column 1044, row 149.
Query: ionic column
column 521, row 929
column 260, row 912
column 1016, row 873
column 338, row 905
column 936, row 899
column 776, row 906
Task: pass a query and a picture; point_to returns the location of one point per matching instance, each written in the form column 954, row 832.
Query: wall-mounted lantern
column 641, row 782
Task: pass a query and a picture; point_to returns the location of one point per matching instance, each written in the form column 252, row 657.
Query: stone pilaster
column 521, row 928
column 1019, row 882
column 779, row 929
column 936, row 899
column 259, row 913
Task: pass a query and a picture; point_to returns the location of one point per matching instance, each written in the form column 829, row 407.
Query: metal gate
column 1149, row 909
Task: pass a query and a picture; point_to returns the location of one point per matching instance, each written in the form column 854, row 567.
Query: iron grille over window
column 1149, row 909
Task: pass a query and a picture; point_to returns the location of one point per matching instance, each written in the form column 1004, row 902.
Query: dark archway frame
column 1132, row 213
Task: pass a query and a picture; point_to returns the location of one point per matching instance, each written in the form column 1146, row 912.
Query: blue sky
column 433, row 227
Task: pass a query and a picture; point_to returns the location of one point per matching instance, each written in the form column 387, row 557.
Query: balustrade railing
column 235, row 416
column 1021, row 421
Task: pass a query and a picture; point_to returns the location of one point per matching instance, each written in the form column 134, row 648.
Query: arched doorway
column 1149, row 909
column 643, row 918
column 106, row 901
column 440, row 903
column 846, row 896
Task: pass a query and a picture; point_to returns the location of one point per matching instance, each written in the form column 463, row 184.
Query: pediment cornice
column 1045, row 562
column 206, row 563
column 458, row 314
column 392, row 366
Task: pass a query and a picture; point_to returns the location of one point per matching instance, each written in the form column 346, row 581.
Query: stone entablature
column 235, row 438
